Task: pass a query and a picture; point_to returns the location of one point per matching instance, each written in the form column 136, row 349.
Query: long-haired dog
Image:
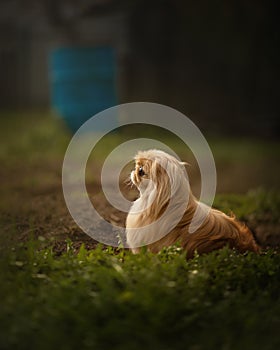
column 166, row 207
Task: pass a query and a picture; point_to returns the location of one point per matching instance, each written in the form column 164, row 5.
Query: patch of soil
column 32, row 205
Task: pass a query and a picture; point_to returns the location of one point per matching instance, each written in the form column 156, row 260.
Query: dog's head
column 158, row 169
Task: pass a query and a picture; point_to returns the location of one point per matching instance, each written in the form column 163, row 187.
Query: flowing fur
column 165, row 186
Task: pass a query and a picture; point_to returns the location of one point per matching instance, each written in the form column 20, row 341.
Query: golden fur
column 168, row 194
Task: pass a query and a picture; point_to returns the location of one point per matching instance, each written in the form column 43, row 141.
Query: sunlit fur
column 216, row 231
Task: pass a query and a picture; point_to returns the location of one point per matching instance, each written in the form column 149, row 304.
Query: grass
column 104, row 298
column 258, row 205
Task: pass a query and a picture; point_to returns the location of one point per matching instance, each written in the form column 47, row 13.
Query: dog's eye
column 141, row 171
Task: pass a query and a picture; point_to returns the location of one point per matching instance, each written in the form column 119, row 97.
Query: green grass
column 30, row 136
column 102, row 300
column 256, row 205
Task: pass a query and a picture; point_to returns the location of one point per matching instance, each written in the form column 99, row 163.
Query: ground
column 32, row 203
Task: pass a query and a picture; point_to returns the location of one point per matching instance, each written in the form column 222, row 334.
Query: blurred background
column 217, row 62
column 63, row 61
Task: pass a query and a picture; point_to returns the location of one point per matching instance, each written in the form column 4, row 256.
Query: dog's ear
column 156, row 170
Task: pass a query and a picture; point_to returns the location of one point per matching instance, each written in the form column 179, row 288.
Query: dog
column 166, row 207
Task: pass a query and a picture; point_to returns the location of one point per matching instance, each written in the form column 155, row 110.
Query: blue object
column 83, row 82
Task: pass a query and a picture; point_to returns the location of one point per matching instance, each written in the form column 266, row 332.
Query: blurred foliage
column 29, row 136
column 259, row 204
